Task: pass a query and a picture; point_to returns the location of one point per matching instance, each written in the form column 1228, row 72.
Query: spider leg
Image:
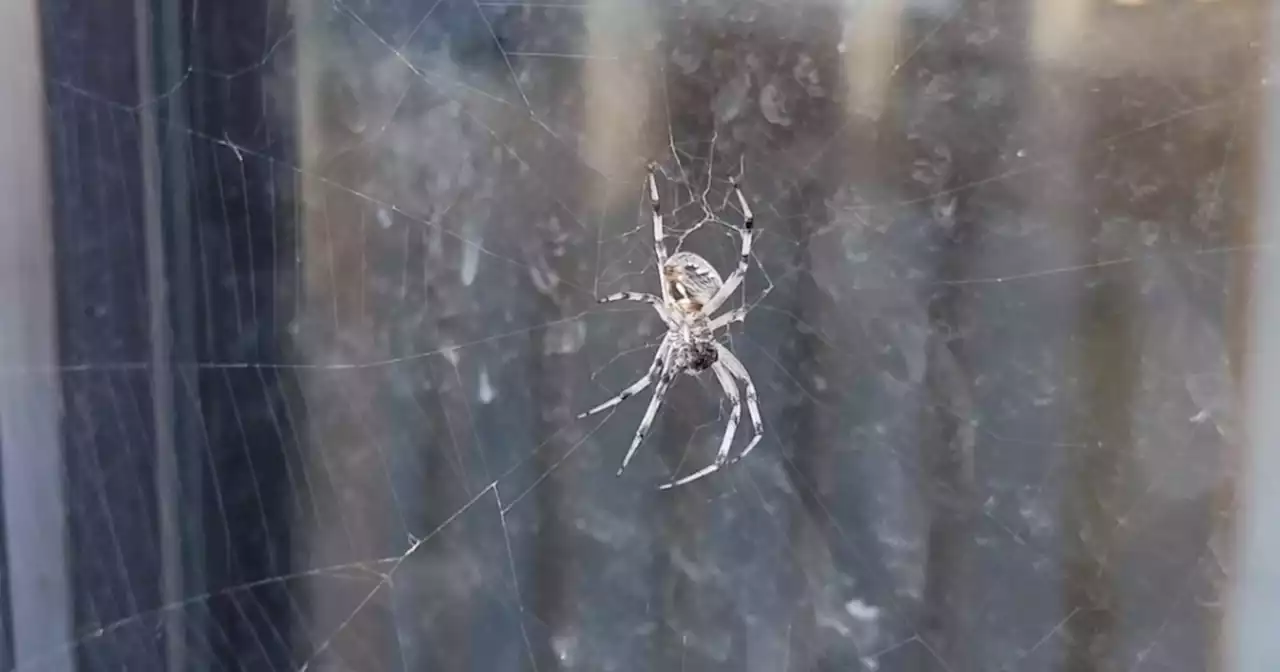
column 658, row 393
column 659, row 247
column 730, row 387
column 739, row 371
column 659, row 363
column 640, row 298
column 632, row 296
column 731, row 283
column 738, row 315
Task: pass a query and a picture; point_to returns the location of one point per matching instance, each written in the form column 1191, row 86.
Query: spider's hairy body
column 691, row 281
column 693, row 351
column 692, row 292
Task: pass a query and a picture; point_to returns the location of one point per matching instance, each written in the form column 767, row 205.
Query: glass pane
column 324, row 282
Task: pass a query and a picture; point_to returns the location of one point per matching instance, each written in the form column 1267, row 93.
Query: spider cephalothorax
column 692, row 291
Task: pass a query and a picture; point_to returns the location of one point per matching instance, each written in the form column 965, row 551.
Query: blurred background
column 299, row 306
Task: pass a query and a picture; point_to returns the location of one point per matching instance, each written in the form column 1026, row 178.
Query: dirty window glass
column 311, row 310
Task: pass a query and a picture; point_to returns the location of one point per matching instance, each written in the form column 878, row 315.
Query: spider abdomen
column 701, row 356
column 691, row 280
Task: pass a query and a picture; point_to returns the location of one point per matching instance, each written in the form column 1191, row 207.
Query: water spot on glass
column 687, row 61
column 347, row 106
column 773, row 105
column 730, row 100
column 565, row 338
column 470, row 263
column 564, row 647
column 470, row 252
column 486, row 392
column 862, row 611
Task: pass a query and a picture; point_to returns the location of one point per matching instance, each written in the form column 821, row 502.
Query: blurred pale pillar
column 30, row 386
column 1057, row 27
column 869, row 43
column 616, row 107
column 1252, row 644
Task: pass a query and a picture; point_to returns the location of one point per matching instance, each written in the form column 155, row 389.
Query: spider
column 692, row 291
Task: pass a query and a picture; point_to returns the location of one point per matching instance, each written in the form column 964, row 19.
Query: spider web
column 990, row 329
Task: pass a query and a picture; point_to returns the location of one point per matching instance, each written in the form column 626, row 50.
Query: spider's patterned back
column 691, row 277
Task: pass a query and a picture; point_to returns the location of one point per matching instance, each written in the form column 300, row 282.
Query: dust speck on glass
column 322, row 315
